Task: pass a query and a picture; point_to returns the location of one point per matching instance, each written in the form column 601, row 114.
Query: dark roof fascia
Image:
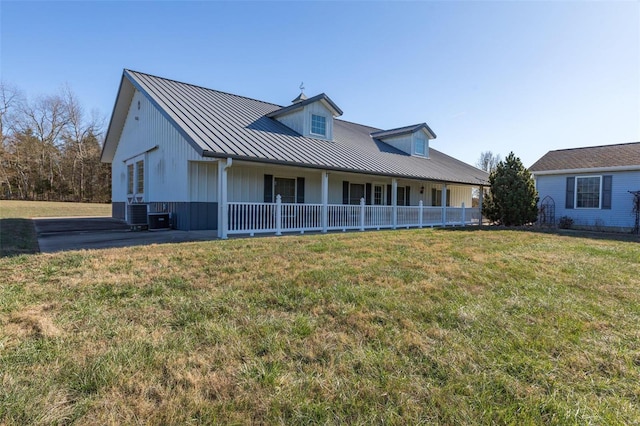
column 383, row 134
column 211, row 154
column 165, row 114
column 299, row 105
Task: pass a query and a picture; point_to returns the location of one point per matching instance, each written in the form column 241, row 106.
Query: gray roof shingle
column 219, row 124
column 593, row 157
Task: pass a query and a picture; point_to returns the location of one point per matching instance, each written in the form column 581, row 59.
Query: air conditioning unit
column 159, row 221
column 137, row 216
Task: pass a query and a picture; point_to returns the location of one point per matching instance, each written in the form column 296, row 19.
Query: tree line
column 50, row 148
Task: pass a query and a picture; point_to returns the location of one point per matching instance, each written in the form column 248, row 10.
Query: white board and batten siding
column 246, row 184
column 619, row 216
column 168, row 158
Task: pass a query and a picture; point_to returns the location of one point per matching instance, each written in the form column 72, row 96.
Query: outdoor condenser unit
column 159, row 221
column 137, row 216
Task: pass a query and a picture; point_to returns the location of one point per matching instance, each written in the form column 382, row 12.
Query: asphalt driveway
column 78, row 233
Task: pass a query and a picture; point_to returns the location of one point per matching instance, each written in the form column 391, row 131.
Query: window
column 318, row 125
column 421, row 145
column 130, row 179
column 286, row 188
column 588, row 192
column 356, row 192
column 436, row 197
column 378, row 197
column 140, row 177
column 400, row 199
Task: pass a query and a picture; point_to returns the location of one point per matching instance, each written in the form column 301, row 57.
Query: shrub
column 565, row 222
column 512, row 199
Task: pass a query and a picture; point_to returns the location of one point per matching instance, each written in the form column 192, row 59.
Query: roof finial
column 301, row 97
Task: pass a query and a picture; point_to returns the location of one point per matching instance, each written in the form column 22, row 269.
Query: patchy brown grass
column 406, row 327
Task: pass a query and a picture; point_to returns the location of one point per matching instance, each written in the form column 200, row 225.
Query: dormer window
column 318, row 125
column 421, row 145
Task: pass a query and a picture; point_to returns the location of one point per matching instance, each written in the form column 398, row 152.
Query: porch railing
column 278, row 217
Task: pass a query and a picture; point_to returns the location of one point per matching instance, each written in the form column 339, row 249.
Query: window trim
column 295, row 188
column 575, row 195
column 423, row 139
column 324, row 135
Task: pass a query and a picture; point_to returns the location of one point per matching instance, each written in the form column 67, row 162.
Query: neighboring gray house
column 591, row 185
column 242, row 166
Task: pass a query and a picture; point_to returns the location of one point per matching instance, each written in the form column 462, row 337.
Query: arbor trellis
column 636, row 210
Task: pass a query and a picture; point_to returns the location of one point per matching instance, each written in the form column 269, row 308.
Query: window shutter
column 345, row 192
column 268, row 188
column 448, row 198
column 434, row 197
column 571, row 187
column 407, row 199
column 300, row 190
column 367, row 194
column 606, row 191
column 388, row 195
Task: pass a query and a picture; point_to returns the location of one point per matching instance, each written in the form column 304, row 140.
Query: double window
column 318, row 125
column 135, row 177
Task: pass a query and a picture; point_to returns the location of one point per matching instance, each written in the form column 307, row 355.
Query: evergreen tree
column 512, row 198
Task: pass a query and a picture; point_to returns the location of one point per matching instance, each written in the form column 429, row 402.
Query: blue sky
column 526, row 77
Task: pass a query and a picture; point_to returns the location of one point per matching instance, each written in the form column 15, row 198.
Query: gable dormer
column 414, row 140
column 311, row 117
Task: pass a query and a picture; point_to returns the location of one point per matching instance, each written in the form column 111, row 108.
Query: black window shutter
column 407, row 199
column 367, row 193
column 388, row 195
column 434, row 197
column 571, row 187
column 300, row 190
column 345, row 192
column 268, row 188
column 448, row 198
column 606, row 191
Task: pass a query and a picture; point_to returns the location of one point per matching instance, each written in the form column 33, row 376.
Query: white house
column 593, row 185
column 215, row 160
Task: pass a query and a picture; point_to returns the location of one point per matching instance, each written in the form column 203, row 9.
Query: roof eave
column 586, row 170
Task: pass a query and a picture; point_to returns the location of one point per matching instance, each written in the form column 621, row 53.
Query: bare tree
column 488, row 161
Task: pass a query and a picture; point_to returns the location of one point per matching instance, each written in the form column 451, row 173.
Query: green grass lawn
column 399, row 327
column 17, row 231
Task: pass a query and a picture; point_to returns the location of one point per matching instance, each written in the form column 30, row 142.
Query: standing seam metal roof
column 220, row 124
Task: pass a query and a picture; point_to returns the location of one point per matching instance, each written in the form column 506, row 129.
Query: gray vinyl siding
column 619, row 216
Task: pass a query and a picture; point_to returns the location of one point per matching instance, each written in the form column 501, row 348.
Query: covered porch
column 261, row 199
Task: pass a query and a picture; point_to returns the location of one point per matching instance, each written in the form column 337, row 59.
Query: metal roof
column 593, row 157
column 384, row 134
column 302, row 102
column 219, row 124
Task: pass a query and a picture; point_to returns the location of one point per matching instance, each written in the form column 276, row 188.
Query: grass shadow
column 612, row 236
column 18, row 236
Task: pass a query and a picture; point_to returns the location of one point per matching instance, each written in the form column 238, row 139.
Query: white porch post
column 444, row 204
column 325, row 201
column 362, row 204
column 420, row 208
column 464, row 222
column 223, row 215
column 480, row 200
column 278, row 215
column 394, row 202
